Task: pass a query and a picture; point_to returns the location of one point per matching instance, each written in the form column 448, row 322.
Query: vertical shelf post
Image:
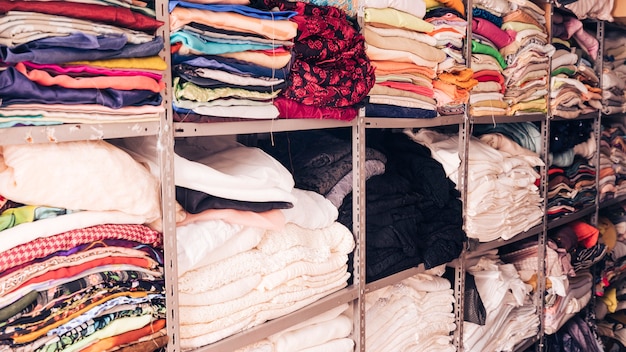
column 165, row 149
column 358, row 228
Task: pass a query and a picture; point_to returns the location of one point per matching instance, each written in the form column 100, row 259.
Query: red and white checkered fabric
column 42, row 247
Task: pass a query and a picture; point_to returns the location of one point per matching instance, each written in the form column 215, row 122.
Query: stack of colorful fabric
column 229, row 60
column 413, row 315
column 527, row 58
column 574, row 83
column 401, row 47
column 572, row 174
column 614, row 74
column 454, row 79
column 78, row 62
column 83, row 272
column 488, row 64
column 500, row 172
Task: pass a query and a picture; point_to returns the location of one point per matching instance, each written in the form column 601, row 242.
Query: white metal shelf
column 77, row 132
column 259, row 332
column 393, row 279
column 383, row 122
column 478, row 120
column 476, row 246
column 189, row 129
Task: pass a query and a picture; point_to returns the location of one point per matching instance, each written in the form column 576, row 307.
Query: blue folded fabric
column 240, row 9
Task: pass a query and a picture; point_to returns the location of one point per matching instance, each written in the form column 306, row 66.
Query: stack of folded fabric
column 574, row 83
column 415, row 314
column 614, row 74
column 488, row 64
column 454, row 79
column 79, row 62
column 510, row 315
column 572, row 174
column 612, row 167
column 251, row 247
column 405, row 57
column 500, row 173
column 253, row 273
column 330, row 75
column 229, row 60
column 527, row 58
column 329, row 331
column 81, row 270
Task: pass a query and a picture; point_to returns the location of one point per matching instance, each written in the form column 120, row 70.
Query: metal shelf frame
column 167, row 131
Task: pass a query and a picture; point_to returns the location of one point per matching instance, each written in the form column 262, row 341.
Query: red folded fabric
column 118, row 16
column 587, row 234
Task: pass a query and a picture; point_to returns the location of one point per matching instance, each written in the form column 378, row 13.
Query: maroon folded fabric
column 112, row 15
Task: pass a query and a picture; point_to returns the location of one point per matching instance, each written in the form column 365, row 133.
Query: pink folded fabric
column 500, row 38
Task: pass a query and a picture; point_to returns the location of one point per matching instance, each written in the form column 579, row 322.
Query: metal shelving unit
column 166, row 131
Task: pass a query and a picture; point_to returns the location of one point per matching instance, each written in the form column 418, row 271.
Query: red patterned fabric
column 42, row 247
column 331, row 69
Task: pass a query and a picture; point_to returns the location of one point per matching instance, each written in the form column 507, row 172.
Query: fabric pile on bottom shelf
column 82, row 273
column 415, row 314
column 251, row 247
column 578, row 247
column 329, row 331
column 510, row 315
column 575, row 335
column 610, row 288
column 286, row 270
column 497, row 178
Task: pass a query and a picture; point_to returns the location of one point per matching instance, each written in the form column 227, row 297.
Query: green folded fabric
column 480, row 48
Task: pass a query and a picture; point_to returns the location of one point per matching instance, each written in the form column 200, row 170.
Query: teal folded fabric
column 210, row 47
